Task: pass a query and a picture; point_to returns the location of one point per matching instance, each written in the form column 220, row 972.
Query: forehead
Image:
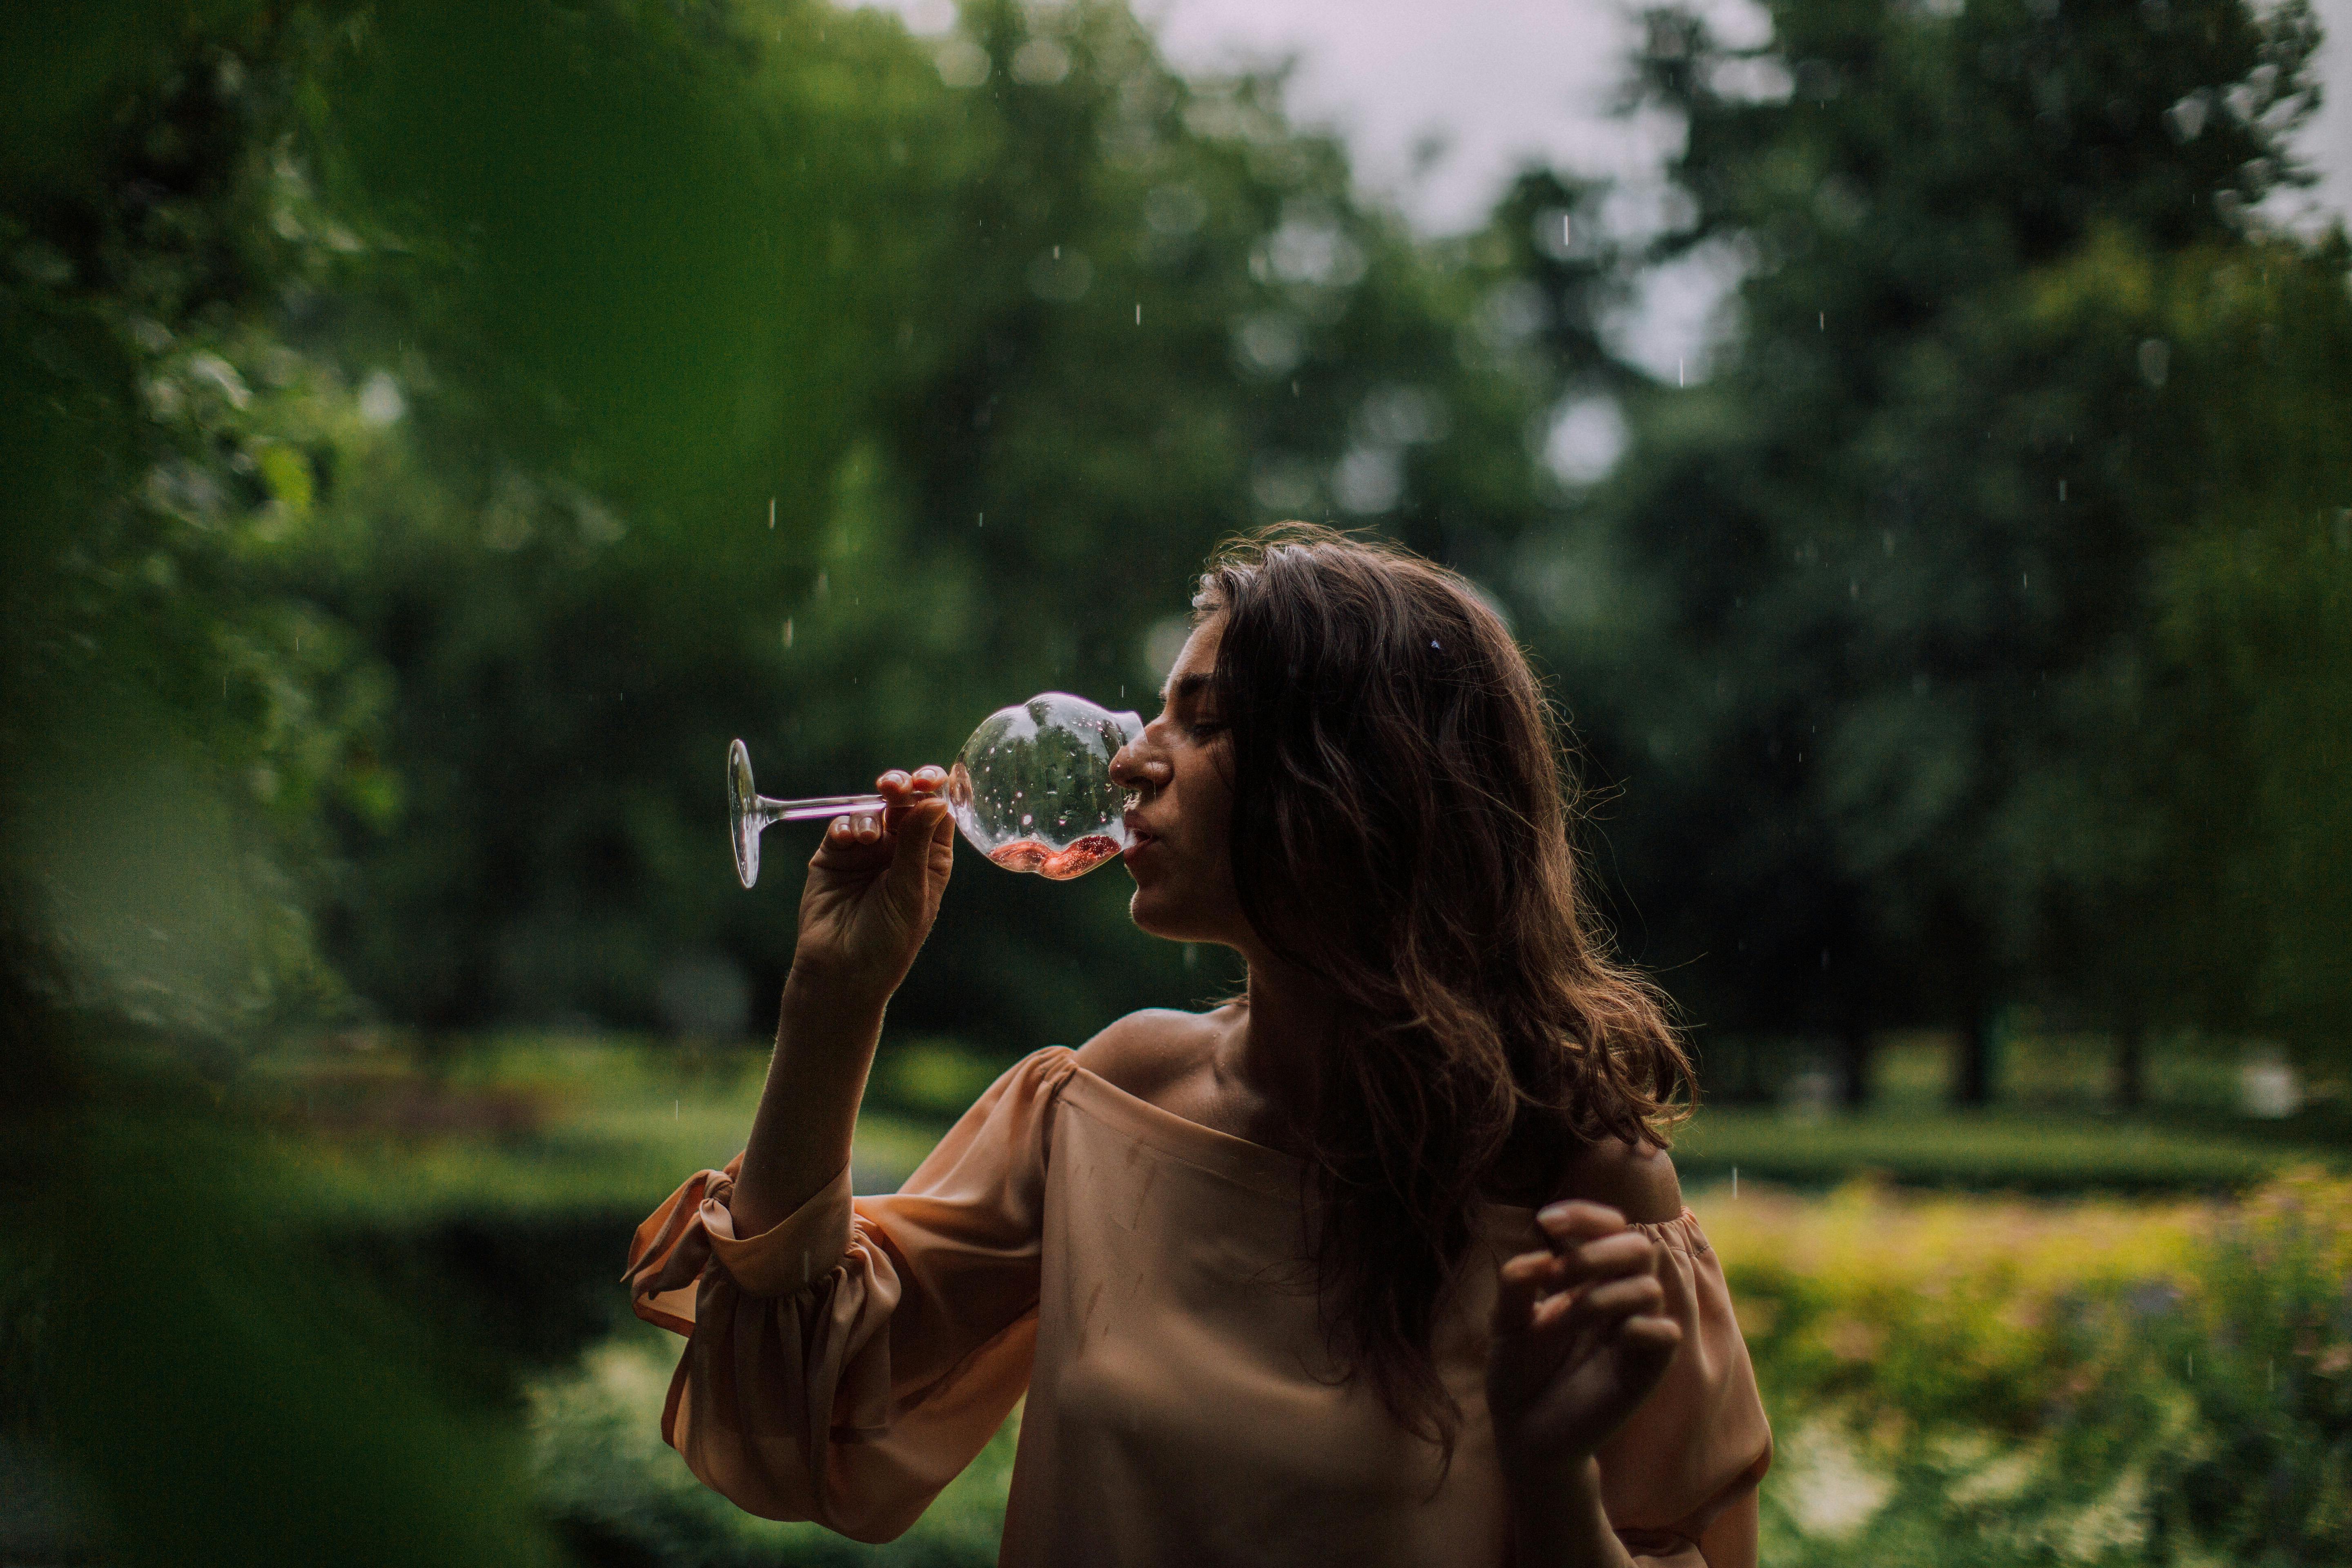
column 1189, row 678
column 1199, row 658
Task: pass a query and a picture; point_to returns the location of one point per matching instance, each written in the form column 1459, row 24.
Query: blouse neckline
column 1239, row 1159
column 1267, row 1170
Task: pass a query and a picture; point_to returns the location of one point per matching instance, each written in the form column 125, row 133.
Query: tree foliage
column 1904, row 718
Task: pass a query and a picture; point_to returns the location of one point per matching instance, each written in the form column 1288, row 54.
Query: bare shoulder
column 1637, row 1180
column 1145, row 1052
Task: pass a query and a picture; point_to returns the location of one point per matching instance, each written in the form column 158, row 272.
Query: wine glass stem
column 768, row 809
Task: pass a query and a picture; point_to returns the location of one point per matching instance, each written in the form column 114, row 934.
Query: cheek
column 1209, row 816
column 1208, row 810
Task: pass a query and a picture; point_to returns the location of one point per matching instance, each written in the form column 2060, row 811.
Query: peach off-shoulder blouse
column 1137, row 1276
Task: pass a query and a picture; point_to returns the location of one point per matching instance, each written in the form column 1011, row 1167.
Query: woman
column 1382, row 1262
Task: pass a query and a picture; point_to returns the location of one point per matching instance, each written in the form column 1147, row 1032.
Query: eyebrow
column 1185, row 686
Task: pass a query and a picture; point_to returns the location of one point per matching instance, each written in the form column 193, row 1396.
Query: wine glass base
column 743, row 822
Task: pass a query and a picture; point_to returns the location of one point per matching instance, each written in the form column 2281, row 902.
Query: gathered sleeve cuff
column 1678, row 1481
column 847, row 1362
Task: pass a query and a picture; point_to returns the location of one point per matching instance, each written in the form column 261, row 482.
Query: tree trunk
column 1854, row 1063
column 1974, row 1073
column 2129, row 1088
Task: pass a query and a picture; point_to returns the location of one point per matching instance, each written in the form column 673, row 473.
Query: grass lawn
column 530, row 1124
column 534, row 1126
column 2027, row 1149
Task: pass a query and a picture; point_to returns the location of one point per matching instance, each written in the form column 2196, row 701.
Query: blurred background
column 1913, row 436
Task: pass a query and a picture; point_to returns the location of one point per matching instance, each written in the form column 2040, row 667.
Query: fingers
column 858, row 830
column 1576, row 1220
column 1525, row 1281
column 904, row 796
column 1651, row 1334
column 1602, row 1307
column 905, row 792
column 923, row 824
column 1628, row 1252
column 855, row 831
column 900, row 787
column 1538, row 1288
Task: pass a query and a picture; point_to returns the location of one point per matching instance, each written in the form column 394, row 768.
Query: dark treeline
column 433, row 434
column 1990, row 592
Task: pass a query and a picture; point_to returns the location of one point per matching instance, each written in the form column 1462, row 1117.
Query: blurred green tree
column 2240, row 732
column 177, row 718
column 1891, row 585
column 1054, row 318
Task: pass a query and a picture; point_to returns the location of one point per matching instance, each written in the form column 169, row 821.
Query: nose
column 1138, row 764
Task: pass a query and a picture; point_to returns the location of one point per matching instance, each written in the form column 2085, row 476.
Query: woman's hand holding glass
column 874, row 887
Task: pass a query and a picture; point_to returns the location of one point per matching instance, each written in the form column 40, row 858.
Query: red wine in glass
column 1057, row 865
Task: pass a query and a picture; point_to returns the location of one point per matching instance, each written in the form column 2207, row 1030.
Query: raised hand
column 874, row 887
column 1579, row 1341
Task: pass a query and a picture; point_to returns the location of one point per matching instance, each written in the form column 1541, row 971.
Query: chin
column 1155, row 914
column 1141, row 908
column 1158, row 911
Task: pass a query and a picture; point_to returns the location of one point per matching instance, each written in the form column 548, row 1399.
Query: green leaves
column 1934, row 519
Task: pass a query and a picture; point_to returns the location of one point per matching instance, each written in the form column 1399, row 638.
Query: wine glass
column 1031, row 790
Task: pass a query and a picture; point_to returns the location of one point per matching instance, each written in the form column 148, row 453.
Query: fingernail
column 1552, row 1211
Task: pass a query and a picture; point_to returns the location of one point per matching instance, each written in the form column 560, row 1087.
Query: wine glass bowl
column 1031, row 790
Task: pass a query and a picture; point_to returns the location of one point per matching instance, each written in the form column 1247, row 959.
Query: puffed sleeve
column 845, row 1365
column 1678, row 1479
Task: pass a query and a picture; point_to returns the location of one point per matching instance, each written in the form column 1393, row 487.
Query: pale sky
column 1500, row 83
column 1509, row 80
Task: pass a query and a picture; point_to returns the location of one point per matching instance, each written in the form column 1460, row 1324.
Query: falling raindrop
column 771, row 513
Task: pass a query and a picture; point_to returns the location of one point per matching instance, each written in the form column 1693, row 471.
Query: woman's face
column 1177, row 826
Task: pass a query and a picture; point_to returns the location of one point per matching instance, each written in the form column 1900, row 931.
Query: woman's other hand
column 1581, row 1339
column 874, row 887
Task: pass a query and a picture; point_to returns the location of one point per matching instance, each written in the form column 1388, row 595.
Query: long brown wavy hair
column 1401, row 826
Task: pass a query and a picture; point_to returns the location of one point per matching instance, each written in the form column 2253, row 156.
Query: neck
column 1291, row 1019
